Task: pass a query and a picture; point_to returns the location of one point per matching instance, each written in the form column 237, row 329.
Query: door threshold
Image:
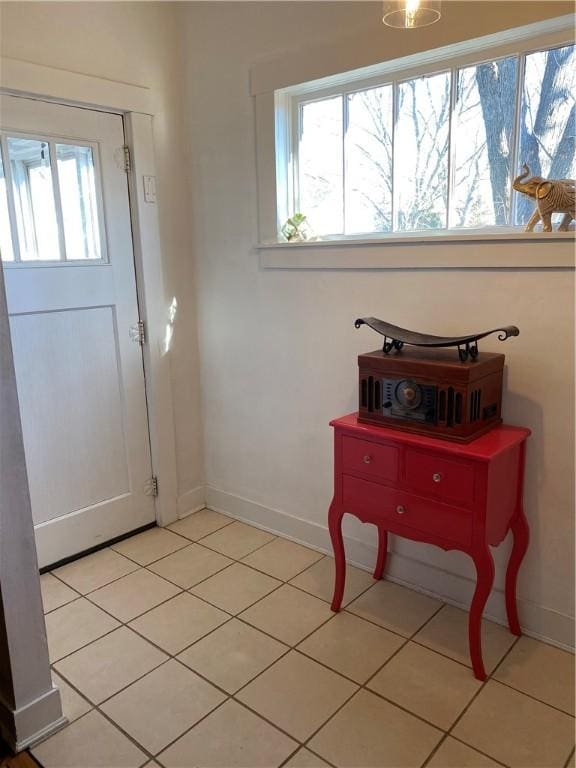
column 97, row 548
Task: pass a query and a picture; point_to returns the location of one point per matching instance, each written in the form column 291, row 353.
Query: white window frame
column 277, row 116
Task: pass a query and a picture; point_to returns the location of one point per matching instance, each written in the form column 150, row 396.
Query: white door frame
column 136, row 104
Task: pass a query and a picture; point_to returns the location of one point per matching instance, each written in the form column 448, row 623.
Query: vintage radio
column 428, row 388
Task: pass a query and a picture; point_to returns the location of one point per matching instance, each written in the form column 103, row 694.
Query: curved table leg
column 521, row 534
column 382, row 553
column 484, row 579
column 335, row 516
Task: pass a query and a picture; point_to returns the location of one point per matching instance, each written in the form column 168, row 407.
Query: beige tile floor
column 212, row 644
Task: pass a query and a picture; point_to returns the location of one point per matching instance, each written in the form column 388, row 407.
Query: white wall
column 278, row 348
column 137, row 43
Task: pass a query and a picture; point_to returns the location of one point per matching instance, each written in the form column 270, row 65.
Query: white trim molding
column 278, row 102
column 30, row 705
column 192, row 501
column 526, row 250
column 537, row 620
column 23, row 77
column 24, row 721
column 154, row 306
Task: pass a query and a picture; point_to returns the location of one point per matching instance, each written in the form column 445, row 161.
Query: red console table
column 455, row 496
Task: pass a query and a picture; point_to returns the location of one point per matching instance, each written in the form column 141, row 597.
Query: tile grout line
column 232, row 696
column 473, row 699
column 188, row 589
column 126, row 623
column 446, row 733
column 288, row 582
column 273, row 576
column 436, row 748
column 121, row 622
column 101, row 586
column 218, row 607
column 251, row 552
column 363, row 686
column 228, row 697
column 171, row 656
column 228, row 522
column 96, row 708
column 288, row 647
column 485, row 754
column 87, row 595
column 529, row 695
column 174, row 657
column 414, row 639
column 290, row 756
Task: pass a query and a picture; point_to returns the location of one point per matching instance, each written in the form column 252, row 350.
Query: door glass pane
column 34, row 199
column 369, row 161
column 6, row 249
column 482, row 133
column 320, row 166
column 548, row 120
column 421, row 152
column 79, row 206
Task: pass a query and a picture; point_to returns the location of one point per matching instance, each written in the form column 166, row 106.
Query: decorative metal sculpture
column 551, row 196
column 395, row 337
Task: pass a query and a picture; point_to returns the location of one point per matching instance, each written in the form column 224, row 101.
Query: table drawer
column 401, row 510
column 374, row 459
column 450, row 481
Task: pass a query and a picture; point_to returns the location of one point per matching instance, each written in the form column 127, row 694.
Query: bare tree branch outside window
column 442, row 164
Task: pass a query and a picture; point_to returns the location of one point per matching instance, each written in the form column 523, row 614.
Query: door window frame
column 53, row 141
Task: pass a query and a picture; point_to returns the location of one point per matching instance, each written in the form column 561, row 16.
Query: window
column 425, row 152
column 6, row 250
column 48, row 201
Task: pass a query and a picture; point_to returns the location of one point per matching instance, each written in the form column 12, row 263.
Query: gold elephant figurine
column 551, row 196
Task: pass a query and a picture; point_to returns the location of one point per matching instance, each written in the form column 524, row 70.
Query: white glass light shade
column 408, row 14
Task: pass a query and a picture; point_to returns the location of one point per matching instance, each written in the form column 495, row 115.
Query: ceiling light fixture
column 409, row 14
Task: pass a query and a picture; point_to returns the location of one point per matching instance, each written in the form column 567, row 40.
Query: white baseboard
column 191, row 501
column 537, row 621
column 24, row 727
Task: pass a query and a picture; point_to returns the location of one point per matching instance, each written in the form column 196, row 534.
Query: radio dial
column 409, row 394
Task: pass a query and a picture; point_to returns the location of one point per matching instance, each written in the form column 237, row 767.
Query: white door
column 66, row 246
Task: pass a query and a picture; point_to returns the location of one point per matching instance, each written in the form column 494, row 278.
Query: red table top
column 483, row 448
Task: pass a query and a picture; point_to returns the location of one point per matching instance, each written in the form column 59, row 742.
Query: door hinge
column 138, row 332
column 127, row 158
column 151, row 488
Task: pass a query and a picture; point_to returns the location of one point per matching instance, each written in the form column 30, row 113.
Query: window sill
column 475, row 250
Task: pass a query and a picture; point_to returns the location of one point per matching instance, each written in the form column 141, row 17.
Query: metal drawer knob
column 367, row 459
column 400, row 509
column 436, row 477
